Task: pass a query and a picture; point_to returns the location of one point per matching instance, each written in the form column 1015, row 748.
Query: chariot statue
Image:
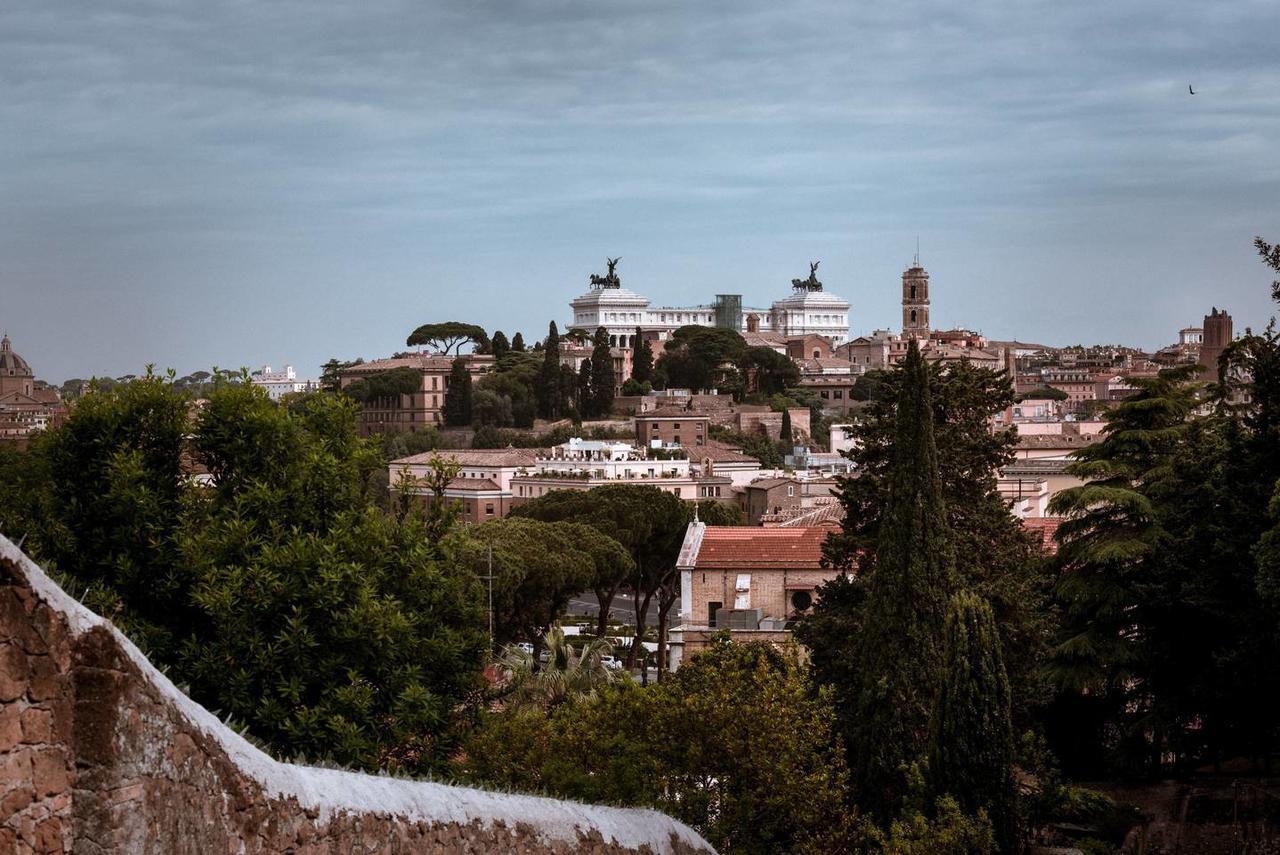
column 609, row 280
column 810, row 284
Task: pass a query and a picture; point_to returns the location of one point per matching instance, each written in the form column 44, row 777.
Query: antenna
column 917, row 261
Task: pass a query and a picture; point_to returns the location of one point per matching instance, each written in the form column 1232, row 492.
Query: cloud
column 242, row 173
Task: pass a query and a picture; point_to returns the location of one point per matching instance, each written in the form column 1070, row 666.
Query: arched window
column 913, row 292
column 913, row 317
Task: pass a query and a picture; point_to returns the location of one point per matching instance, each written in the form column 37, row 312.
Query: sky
column 208, row 183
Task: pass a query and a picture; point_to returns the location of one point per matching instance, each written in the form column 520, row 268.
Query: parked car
column 526, row 647
column 611, row 662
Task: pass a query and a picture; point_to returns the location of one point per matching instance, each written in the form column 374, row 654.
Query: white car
column 526, row 647
column 611, row 662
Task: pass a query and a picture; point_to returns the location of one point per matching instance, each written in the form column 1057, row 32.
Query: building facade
column 424, row 407
column 749, row 581
column 277, row 384
column 809, row 310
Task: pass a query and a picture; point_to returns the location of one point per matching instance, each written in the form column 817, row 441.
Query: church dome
column 11, row 364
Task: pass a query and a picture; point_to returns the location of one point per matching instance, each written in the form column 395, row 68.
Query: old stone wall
column 99, row 753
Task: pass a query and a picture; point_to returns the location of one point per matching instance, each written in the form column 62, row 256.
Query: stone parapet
column 100, row 753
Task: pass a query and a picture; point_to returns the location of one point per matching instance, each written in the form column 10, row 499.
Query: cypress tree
column 602, row 376
column 785, row 434
column 641, row 359
column 548, row 377
column 567, row 391
column 457, row 398
column 498, row 345
column 906, row 609
column 586, row 404
column 517, row 343
column 971, row 738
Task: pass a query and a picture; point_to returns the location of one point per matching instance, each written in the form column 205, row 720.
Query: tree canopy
column 449, row 336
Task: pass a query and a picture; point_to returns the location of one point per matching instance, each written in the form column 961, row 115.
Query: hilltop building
column 26, row 404
column 277, row 384
column 809, row 310
column 420, row 408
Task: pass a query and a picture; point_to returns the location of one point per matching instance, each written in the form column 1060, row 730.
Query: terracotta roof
column 719, row 453
column 1058, row 440
column 473, row 485
column 828, row 515
column 475, row 457
column 1046, row 527
column 769, row 483
column 741, row 546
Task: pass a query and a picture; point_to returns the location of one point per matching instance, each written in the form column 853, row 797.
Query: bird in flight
column 1189, row 89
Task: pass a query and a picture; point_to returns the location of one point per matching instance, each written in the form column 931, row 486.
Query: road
column 623, row 608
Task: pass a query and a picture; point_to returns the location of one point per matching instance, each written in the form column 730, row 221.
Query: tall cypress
column 457, row 398
column 971, row 737
column 517, row 343
column 498, row 345
column 641, row 359
column 567, row 390
column 602, row 376
column 586, row 403
column 901, row 638
column 785, row 433
column 549, row 376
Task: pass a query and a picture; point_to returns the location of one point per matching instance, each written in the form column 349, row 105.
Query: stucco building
column 749, row 581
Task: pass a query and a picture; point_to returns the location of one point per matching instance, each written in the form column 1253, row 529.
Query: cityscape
column 639, row 428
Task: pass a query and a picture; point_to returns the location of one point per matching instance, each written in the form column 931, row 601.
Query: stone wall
column 100, row 753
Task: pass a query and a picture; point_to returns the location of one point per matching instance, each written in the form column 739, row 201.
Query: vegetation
column 701, row 358
column 449, row 336
column 281, row 591
column 457, row 398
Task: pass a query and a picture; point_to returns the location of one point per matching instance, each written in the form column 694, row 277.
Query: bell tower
column 915, row 301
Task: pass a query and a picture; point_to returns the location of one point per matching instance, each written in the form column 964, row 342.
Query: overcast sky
column 233, row 183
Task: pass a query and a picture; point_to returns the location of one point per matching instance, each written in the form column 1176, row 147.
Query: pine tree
column 602, row 376
column 517, row 343
column 785, row 434
column 971, row 737
column 902, row 633
column 641, row 359
column 498, row 345
column 586, row 405
column 457, row 398
column 548, row 400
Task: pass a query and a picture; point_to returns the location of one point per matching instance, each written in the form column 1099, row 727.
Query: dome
column 812, row 300
column 11, row 364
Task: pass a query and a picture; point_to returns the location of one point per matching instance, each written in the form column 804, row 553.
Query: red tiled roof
column 741, row 546
column 473, row 485
column 1045, row 527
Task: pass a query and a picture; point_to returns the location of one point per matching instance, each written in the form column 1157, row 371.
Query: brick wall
column 99, row 753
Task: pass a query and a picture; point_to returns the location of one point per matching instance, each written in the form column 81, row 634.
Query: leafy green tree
column 388, row 384
column 489, row 409
column 499, row 346
column 114, row 507
column 609, row 511
column 693, row 747
column 449, row 336
column 353, row 643
column 700, row 358
column 457, row 398
column 602, row 375
column 538, row 567
column 641, row 359
column 768, row 372
column 517, row 343
column 971, row 744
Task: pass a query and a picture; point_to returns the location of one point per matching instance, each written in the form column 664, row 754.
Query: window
column 816, row 353
column 713, row 607
column 791, row 489
column 488, row 510
column 675, row 426
column 742, row 591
